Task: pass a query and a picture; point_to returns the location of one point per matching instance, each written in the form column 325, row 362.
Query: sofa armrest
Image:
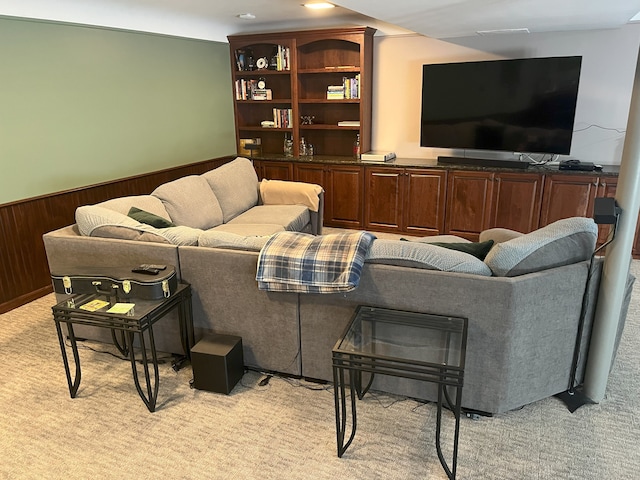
column 283, row 192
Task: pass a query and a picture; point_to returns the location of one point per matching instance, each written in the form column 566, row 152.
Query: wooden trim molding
column 24, row 275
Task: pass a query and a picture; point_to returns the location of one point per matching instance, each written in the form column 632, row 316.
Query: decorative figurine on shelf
column 288, row 145
column 303, row 148
column 307, row 119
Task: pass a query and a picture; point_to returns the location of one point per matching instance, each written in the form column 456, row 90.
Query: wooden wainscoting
column 24, row 272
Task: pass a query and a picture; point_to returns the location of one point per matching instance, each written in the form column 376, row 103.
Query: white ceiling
column 215, row 19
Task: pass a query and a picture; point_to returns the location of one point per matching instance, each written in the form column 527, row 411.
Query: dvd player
column 576, row 165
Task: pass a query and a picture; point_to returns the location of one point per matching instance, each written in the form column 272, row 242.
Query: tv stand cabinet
column 483, row 162
column 420, row 197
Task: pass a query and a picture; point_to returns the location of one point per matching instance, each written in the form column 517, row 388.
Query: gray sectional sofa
column 523, row 301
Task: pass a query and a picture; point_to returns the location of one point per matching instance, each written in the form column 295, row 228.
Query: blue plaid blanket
column 300, row 262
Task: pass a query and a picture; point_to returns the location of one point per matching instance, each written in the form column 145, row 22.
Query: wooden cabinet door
column 424, row 205
column 344, row 196
column 469, row 197
column 606, row 188
column 517, row 198
column 567, row 196
column 277, row 170
column 635, row 249
column 310, row 173
column 384, row 198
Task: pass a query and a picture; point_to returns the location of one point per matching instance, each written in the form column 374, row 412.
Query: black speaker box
column 217, row 362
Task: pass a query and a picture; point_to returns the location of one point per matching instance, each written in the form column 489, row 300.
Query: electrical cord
column 161, row 360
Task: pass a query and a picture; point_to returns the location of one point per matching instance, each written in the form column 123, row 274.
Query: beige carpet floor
column 286, row 429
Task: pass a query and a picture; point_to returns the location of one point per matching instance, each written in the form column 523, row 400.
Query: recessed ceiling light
column 247, row 16
column 318, row 5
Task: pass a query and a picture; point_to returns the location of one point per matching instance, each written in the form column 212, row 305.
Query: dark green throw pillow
column 477, row 249
column 149, row 218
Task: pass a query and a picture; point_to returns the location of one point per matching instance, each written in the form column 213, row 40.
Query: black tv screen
column 524, row 105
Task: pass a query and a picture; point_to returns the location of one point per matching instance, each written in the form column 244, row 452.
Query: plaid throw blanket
column 300, row 262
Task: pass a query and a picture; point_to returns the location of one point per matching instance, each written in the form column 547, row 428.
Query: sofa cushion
column 452, row 242
column 292, row 217
column 96, row 221
column 149, row 218
column 438, row 239
column 249, row 229
column 564, row 242
column 499, row 235
column 190, row 202
column 148, row 203
column 235, row 184
column 127, row 233
column 425, row 256
column 221, row 239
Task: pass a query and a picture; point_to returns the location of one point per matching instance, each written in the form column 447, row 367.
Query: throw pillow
column 149, row 218
column 220, row 239
column 564, row 242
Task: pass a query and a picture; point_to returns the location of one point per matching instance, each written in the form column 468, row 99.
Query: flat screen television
column 525, row 105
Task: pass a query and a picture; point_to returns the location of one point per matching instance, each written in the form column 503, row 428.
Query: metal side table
column 137, row 322
column 419, row 346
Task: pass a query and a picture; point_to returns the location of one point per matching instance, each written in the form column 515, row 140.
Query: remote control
column 145, row 271
column 153, row 267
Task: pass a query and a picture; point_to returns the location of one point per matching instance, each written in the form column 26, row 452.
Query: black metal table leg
column 455, row 409
column 74, row 383
column 120, row 343
column 185, row 317
column 150, row 397
column 341, row 409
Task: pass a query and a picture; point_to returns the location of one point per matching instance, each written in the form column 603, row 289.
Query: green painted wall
column 81, row 105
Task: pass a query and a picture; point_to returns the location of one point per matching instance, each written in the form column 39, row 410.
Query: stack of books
column 335, row 92
column 282, row 117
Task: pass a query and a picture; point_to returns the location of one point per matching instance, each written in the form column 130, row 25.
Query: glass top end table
column 418, row 346
column 130, row 321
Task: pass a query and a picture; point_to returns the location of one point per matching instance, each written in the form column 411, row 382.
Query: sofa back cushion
column 190, row 202
column 426, row 256
column 148, row 203
column 97, row 221
column 564, row 242
column 235, row 184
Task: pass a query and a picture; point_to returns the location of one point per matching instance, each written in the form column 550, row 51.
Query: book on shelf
column 377, row 156
column 351, row 87
column 282, row 117
column 349, row 123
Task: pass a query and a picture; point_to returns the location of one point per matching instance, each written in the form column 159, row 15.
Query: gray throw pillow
column 564, row 242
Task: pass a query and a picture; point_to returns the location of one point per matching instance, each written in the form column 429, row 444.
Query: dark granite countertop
column 607, row 170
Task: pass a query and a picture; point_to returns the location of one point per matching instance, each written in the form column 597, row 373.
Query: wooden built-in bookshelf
column 315, row 60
